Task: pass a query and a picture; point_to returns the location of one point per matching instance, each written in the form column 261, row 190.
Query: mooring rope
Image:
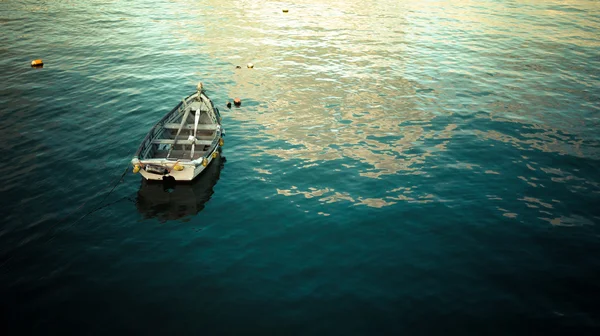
column 96, row 208
column 99, row 206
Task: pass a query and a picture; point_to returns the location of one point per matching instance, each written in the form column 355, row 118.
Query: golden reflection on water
column 347, row 80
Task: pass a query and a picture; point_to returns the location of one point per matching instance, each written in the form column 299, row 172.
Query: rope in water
column 114, row 185
column 99, row 206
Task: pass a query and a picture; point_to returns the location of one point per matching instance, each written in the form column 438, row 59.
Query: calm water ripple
column 393, row 164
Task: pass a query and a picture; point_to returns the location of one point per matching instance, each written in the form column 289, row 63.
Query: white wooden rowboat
column 183, row 143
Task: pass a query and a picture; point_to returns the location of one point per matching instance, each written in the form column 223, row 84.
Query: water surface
column 410, row 166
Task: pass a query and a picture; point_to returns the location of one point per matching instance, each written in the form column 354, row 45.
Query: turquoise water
column 416, row 167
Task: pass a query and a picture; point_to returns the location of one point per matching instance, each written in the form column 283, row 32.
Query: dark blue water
column 395, row 167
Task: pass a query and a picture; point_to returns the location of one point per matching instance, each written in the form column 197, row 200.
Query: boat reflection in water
column 171, row 201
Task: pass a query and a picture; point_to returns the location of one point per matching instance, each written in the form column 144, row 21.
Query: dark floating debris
column 229, row 105
column 237, row 102
column 238, row 67
column 285, row 10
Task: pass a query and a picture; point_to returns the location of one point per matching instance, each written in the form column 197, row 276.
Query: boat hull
column 183, row 143
column 172, row 201
column 190, row 170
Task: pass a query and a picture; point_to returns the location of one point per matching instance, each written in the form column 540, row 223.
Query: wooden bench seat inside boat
column 179, row 154
column 186, row 136
column 204, row 127
column 180, row 142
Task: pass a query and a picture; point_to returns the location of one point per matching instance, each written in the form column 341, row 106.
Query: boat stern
column 159, row 171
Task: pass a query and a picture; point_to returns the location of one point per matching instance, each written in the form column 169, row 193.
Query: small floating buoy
column 228, row 105
column 238, row 67
column 285, row 10
column 250, row 65
column 237, row 101
column 37, row 63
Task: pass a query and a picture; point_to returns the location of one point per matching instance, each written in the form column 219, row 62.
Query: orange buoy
column 237, row 101
column 37, row 63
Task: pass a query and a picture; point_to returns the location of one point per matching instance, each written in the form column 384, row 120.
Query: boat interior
column 175, row 138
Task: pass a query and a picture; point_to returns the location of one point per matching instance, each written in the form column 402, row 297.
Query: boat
column 183, row 143
column 178, row 201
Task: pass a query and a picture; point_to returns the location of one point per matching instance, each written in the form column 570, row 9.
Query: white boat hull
column 190, row 170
